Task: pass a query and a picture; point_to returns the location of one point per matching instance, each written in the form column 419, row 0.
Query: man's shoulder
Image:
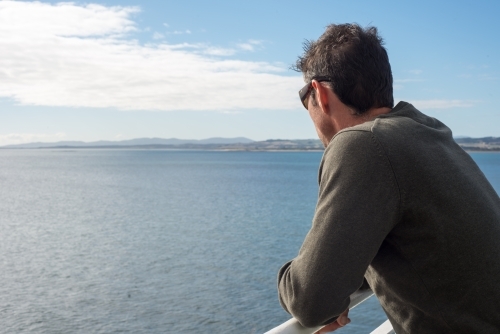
column 353, row 146
column 394, row 120
column 403, row 125
column 350, row 140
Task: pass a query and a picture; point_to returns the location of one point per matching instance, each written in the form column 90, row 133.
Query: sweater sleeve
column 357, row 207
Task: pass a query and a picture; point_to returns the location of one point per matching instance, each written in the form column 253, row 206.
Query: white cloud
column 246, row 47
column 487, row 77
column 398, row 83
column 30, row 19
column 180, row 32
column 20, row 138
column 417, row 72
column 480, row 77
column 81, row 56
column 250, row 45
column 219, row 51
column 441, row 104
column 407, row 80
column 158, row 35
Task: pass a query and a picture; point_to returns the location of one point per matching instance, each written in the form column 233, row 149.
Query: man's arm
column 357, row 207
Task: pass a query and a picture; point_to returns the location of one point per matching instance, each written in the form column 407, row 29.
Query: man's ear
column 321, row 96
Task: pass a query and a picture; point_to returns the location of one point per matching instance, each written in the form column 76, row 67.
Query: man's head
column 354, row 64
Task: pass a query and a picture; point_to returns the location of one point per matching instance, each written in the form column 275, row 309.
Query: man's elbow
column 310, row 305
column 314, row 315
column 311, row 320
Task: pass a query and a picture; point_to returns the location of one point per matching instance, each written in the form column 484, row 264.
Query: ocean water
column 156, row 241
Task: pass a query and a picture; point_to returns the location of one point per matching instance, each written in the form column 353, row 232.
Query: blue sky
column 111, row 70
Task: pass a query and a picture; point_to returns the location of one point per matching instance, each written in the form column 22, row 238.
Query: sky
column 115, row 70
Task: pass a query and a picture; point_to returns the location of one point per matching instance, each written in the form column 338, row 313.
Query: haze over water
column 152, row 241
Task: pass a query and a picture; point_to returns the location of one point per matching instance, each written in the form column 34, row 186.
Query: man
column 401, row 206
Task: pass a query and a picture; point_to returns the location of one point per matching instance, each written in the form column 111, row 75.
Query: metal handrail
column 292, row 326
column 385, row 328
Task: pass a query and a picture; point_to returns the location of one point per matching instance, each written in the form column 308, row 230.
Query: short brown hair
column 357, row 63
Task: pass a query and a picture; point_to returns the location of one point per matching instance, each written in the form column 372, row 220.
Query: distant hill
column 230, row 144
column 479, row 144
column 234, row 144
column 133, row 142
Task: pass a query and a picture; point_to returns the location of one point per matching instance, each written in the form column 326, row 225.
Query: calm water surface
column 151, row 241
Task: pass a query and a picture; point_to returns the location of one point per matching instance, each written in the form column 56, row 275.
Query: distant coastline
column 486, row 144
column 211, row 144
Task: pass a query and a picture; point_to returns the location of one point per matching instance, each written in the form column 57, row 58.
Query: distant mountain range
column 233, row 144
column 479, row 144
column 133, row 142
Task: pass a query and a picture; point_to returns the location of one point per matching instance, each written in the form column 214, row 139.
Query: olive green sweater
column 402, row 205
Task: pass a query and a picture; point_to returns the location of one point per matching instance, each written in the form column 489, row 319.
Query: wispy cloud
column 487, row 77
column 407, row 80
column 480, row 76
column 215, row 51
column 399, row 83
column 76, row 55
column 250, row 45
column 416, row 72
column 158, row 35
column 179, row 32
column 441, row 104
column 20, row 138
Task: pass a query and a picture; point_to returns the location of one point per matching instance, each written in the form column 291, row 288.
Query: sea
column 156, row 241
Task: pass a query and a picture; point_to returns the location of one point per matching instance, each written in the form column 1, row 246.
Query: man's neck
column 340, row 115
column 374, row 112
column 346, row 118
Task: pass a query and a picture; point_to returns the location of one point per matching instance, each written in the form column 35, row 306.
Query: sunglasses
column 306, row 90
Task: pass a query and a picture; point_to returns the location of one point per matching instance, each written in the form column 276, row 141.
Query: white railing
column 292, row 326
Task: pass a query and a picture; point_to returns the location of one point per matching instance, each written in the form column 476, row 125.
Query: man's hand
column 341, row 321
